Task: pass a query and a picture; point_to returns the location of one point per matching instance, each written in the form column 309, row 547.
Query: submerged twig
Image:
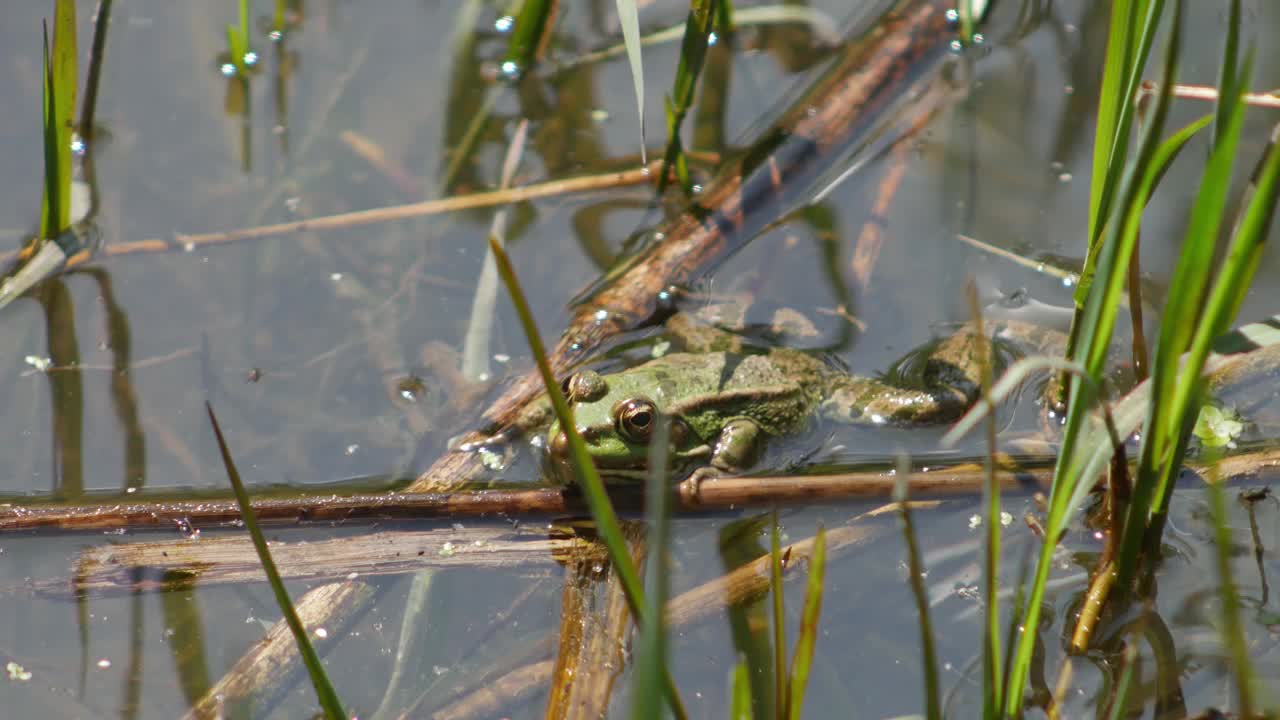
column 230, row 559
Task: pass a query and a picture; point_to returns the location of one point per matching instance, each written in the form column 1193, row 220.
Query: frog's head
column 616, row 415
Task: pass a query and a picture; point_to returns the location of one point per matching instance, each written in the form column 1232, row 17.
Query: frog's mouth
column 633, row 467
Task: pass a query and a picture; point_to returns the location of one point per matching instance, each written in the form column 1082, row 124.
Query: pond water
column 331, row 355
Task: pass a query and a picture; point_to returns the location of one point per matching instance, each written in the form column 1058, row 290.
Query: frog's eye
column 585, row 386
column 635, row 419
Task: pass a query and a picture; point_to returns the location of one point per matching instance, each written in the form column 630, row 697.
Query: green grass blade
column 915, row 570
column 65, row 79
column 1228, row 73
column 803, row 657
column 651, row 657
column 992, row 658
column 629, row 18
column 527, row 37
column 740, row 689
column 50, row 210
column 779, row 619
column 1176, row 382
column 1097, row 320
column 727, row 18
column 972, row 13
column 1128, row 46
column 325, row 693
column 607, row 526
column 693, row 52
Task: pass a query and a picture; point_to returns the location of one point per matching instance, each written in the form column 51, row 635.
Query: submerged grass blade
column 629, row 19
column 1120, row 700
column 607, row 526
column 801, row 661
column 325, row 693
column 779, row 618
column 740, row 689
column 1232, row 628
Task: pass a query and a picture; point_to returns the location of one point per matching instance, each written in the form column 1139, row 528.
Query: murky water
column 330, row 355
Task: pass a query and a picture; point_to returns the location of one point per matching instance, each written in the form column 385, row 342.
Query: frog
column 726, row 400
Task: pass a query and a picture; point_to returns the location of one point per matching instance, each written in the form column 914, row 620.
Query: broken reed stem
column 711, row 494
column 192, row 242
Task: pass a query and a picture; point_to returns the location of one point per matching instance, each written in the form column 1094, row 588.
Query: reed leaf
column 629, row 19
column 325, row 693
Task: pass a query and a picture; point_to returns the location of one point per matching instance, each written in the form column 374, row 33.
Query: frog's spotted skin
column 726, row 403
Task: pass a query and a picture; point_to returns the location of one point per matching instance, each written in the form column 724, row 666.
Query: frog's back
column 778, row 393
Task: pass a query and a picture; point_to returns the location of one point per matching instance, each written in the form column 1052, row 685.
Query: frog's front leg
column 736, row 450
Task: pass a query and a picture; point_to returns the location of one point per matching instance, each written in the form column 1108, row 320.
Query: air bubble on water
column 956, row 46
column 77, row 144
column 351, row 449
column 227, row 69
column 275, row 35
column 250, row 59
column 510, row 70
column 711, row 39
column 602, row 315
column 504, row 24
column 1064, row 177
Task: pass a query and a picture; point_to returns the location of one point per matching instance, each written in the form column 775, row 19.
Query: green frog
column 726, row 400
